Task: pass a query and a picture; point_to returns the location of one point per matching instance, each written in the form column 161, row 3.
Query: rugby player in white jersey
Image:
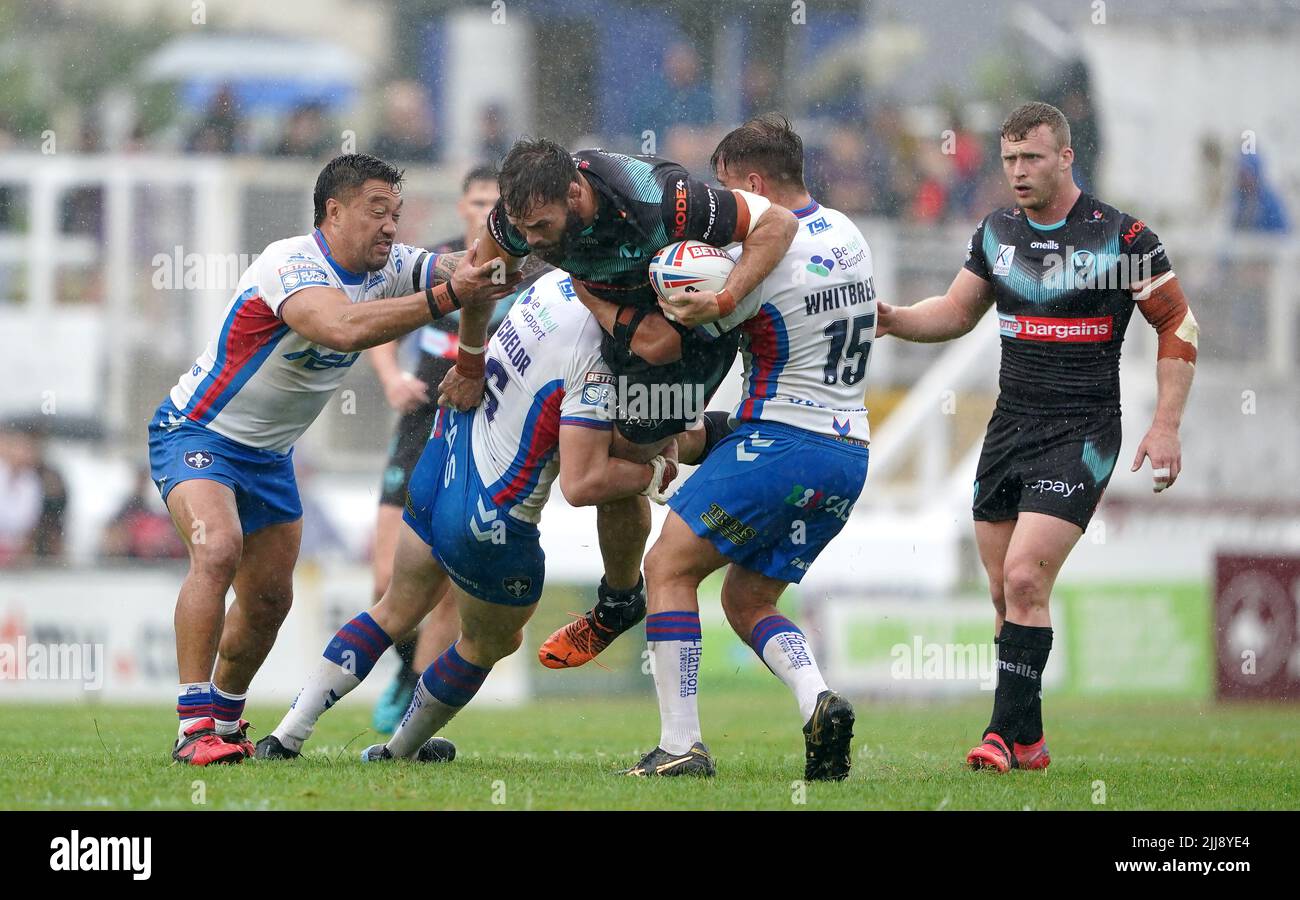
column 774, row 492
column 221, row 444
column 473, row 504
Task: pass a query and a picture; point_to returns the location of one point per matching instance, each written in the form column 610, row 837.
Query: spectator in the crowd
column 406, row 133
column 760, row 87
column 889, row 155
column 1072, row 95
column 689, row 99
column 1258, row 206
column 494, row 137
column 967, row 164
column 220, row 129
column 930, row 198
column 47, row 537
column 842, row 172
column 141, row 528
column 308, row 134
column 21, row 495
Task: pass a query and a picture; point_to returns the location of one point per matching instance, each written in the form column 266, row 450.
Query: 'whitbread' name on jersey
column 840, row 296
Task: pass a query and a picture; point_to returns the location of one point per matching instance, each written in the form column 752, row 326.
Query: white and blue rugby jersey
column 543, row 370
column 259, row 382
column 807, row 331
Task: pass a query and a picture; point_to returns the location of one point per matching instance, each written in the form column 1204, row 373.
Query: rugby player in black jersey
column 1065, row 271
column 408, row 393
column 601, row 216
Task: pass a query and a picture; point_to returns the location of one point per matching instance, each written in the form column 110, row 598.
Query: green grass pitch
column 564, row 753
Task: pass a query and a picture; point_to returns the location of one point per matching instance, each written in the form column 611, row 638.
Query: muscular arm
column 327, row 317
column 590, row 476
column 940, row 318
column 1163, row 305
column 762, row 251
column 474, row 322
column 763, row 248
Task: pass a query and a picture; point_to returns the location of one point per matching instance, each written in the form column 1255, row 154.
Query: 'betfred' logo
column 1069, row 331
column 698, row 251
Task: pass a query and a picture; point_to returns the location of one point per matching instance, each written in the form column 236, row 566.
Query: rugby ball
column 689, row 266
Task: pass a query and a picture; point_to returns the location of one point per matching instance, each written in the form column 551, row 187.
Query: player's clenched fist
column 459, row 391
column 691, row 309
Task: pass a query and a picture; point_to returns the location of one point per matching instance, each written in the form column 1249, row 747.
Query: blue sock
column 193, row 702
column 227, row 710
column 445, row 687
column 358, row 645
column 453, row 680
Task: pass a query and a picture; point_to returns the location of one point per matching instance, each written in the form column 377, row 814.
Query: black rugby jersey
column 643, row 204
column 1064, row 299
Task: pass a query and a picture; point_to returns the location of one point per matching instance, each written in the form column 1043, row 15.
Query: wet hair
column 345, row 174
column 1028, row 116
column 535, row 172
column 766, row 144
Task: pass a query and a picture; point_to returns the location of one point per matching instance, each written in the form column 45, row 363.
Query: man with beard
column 601, row 216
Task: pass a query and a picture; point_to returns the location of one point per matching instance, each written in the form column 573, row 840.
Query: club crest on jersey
column 517, row 587
column 1084, row 263
column 197, row 459
column 1002, row 264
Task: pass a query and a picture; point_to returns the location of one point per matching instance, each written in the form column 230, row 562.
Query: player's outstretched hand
column 1166, row 454
column 691, row 309
column 884, row 318
column 459, row 391
column 406, row 393
column 477, row 285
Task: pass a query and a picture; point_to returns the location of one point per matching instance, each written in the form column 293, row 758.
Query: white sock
column 424, row 718
column 347, row 660
column 788, row 654
column 674, row 641
column 326, row 686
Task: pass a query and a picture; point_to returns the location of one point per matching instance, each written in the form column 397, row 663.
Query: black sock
column 716, row 428
column 406, row 653
column 1017, row 702
column 620, row 610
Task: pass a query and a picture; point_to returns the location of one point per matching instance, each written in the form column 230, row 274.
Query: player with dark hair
column 1065, row 271
column 471, row 521
column 780, row 487
column 221, row 445
column 407, row 392
column 601, row 216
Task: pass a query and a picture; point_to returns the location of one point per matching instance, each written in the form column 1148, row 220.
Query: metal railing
column 100, row 239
